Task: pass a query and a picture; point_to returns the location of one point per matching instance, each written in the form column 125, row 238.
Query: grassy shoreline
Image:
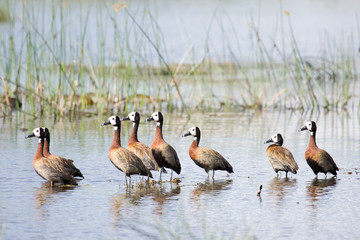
column 55, row 71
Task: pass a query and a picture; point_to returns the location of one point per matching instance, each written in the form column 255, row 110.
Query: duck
column 165, row 155
column 122, row 158
column 138, row 148
column 206, row 158
column 68, row 164
column 318, row 159
column 280, row 158
column 50, row 170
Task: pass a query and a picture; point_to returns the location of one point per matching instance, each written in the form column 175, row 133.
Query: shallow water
column 102, row 207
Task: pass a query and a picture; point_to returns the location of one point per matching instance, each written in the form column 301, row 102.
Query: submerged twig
column 259, row 192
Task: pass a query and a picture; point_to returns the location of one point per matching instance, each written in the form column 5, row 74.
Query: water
column 102, row 207
column 223, row 29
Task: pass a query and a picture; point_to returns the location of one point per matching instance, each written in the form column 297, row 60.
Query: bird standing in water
column 137, row 147
column 123, row 159
column 68, row 164
column 206, row 158
column 280, row 158
column 164, row 154
column 318, row 159
column 50, row 170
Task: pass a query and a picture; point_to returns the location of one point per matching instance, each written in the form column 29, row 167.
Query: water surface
column 102, row 207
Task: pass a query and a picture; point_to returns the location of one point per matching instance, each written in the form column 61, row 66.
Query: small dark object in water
column 259, row 192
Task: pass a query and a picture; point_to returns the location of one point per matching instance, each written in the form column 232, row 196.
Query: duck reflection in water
column 210, row 187
column 46, row 193
column 45, row 196
column 136, row 195
column 163, row 194
column 319, row 188
column 279, row 187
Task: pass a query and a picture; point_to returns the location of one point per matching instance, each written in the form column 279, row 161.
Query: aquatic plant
column 60, row 69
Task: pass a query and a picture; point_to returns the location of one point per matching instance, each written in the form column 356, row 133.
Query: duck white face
column 112, row 120
column 155, row 116
column 192, row 131
column 131, row 116
column 308, row 125
column 36, row 132
column 274, row 138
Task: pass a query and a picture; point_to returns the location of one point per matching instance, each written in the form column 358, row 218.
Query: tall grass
column 50, row 63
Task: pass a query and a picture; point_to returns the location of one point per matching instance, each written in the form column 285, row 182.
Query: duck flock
column 140, row 159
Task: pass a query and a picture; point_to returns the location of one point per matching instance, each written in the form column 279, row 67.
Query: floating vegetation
column 64, row 71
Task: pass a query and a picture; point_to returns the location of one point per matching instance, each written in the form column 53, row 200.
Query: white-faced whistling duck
column 140, row 149
column 164, row 154
column 67, row 164
column 123, row 159
column 279, row 157
column 206, row 158
column 50, row 170
column 318, row 159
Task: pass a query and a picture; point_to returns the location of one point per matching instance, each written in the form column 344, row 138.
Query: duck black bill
column 186, row 134
column 150, row 119
column 106, row 123
column 30, row 136
column 268, row 141
column 303, row 128
column 125, row 119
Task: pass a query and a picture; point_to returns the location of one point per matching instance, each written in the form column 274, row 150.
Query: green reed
column 57, row 68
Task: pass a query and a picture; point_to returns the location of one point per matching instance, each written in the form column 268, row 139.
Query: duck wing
column 48, row 170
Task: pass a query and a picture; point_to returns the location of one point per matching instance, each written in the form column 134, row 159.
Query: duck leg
column 160, row 174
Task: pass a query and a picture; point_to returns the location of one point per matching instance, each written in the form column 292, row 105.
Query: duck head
column 277, row 139
column 157, row 117
column 113, row 120
column 195, row 132
column 133, row 116
column 310, row 126
column 37, row 132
